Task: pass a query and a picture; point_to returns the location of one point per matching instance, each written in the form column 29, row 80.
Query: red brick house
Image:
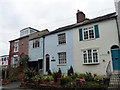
column 20, row 46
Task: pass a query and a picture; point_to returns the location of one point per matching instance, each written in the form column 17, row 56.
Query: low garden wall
column 58, row 87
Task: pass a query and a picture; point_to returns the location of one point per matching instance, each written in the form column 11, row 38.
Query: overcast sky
column 44, row 14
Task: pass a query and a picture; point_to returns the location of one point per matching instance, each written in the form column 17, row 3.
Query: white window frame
column 36, row 43
column 15, row 64
column 88, row 29
column 63, row 58
column 16, row 45
column 59, row 39
column 92, row 56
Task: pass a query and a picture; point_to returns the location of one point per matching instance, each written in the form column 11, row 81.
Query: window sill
column 15, row 51
column 36, row 47
column 91, row 63
column 89, row 39
column 61, row 64
column 61, row 44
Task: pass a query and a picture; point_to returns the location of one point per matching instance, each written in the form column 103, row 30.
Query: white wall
column 108, row 36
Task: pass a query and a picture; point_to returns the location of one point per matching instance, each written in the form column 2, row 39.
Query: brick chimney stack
column 80, row 16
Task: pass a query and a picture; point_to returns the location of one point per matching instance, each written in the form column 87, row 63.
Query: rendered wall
column 108, row 37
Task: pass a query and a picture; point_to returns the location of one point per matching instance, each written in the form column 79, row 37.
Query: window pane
column 61, row 39
column 95, row 56
column 91, row 33
column 85, row 58
column 62, row 58
column 85, row 34
column 89, row 56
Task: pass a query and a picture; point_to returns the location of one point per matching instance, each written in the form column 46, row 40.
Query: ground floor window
column 62, row 57
column 15, row 61
column 90, row 56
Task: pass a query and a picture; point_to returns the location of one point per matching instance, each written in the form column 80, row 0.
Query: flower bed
column 72, row 80
column 4, row 82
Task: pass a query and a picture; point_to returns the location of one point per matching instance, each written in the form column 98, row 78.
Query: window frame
column 60, row 42
column 36, row 43
column 63, row 58
column 86, row 50
column 88, row 30
column 15, row 63
column 16, row 45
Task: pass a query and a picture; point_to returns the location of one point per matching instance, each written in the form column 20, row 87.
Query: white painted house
column 4, row 61
column 93, row 43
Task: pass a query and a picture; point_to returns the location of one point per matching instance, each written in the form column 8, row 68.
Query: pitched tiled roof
column 88, row 21
column 19, row 38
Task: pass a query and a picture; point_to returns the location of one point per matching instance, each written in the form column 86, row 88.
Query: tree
column 24, row 61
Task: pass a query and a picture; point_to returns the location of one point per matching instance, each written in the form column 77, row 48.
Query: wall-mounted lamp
column 22, row 43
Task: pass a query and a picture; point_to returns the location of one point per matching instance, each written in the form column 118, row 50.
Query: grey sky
column 44, row 14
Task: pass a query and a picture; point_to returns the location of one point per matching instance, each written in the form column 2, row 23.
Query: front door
column 116, row 59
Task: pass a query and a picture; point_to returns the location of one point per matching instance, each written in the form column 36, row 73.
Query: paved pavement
column 11, row 86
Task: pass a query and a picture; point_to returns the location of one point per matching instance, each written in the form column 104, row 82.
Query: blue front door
column 116, row 59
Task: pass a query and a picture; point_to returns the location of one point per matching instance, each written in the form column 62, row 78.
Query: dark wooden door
column 47, row 64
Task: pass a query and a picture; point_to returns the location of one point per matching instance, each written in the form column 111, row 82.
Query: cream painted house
column 96, row 45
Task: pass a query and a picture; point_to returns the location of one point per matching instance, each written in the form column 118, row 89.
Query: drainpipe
column 43, row 52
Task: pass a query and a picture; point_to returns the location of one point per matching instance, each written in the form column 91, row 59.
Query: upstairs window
column 88, row 33
column 16, row 46
column 90, row 56
column 62, row 58
column 61, row 39
column 4, row 59
column 36, row 43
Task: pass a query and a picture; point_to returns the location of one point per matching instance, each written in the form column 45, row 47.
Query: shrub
column 98, row 78
column 65, row 80
column 89, row 77
column 46, row 78
column 37, row 78
column 13, row 79
column 29, row 73
column 93, row 84
column 55, row 76
column 59, row 72
column 49, row 72
column 24, row 61
column 106, row 80
column 70, row 71
column 51, row 78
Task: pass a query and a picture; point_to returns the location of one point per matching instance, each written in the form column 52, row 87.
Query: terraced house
column 36, row 50
column 96, row 45
column 90, row 45
column 20, row 46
